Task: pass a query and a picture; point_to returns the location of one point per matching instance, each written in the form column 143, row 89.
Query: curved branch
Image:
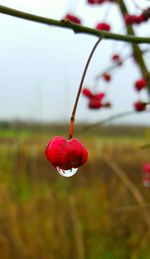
column 69, row 25
column 136, row 49
column 112, row 118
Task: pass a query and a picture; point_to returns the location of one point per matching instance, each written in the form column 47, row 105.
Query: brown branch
column 72, row 26
column 136, row 49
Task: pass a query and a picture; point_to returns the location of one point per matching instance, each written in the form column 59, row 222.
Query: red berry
column 66, row 154
column 72, row 18
column 130, row 19
column 94, row 103
column 134, row 19
column 116, row 58
column 103, row 26
column 146, row 167
column 107, row 77
column 106, row 105
column 139, row 19
column 146, row 179
column 99, row 96
column 140, row 84
column 96, row 1
column 86, row 92
column 140, row 106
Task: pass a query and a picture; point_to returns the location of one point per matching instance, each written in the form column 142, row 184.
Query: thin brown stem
column 72, row 119
column 112, row 118
column 114, row 66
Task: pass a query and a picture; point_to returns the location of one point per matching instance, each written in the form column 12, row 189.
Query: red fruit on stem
column 66, row 154
column 116, row 58
column 99, row 96
column 134, row 19
column 146, row 180
column 72, row 18
column 140, row 106
column 139, row 19
column 94, row 103
column 107, row 77
column 130, row 19
column 140, row 84
column 86, row 92
column 103, row 26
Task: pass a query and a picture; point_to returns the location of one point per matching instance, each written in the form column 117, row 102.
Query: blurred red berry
column 146, row 180
column 96, row 1
column 86, row 92
column 103, row 26
column 147, row 167
column 99, row 96
column 99, row 1
column 139, row 19
column 66, row 154
column 107, row 77
column 117, row 59
column 95, row 103
column 140, row 106
column 106, row 105
column 140, row 84
column 72, row 18
column 134, row 19
column 130, row 19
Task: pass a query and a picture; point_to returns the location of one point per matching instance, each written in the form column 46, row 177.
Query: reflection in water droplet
column 146, row 183
column 67, row 173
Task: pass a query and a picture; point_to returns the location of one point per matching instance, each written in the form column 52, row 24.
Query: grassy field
column 101, row 212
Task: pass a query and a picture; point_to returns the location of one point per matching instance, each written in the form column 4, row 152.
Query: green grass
column 46, row 216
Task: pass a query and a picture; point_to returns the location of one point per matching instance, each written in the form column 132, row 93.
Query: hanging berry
column 140, row 84
column 66, row 154
column 140, row 106
column 117, row 59
column 107, row 77
column 146, row 178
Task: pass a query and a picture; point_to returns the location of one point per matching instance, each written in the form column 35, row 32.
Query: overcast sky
column 41, row 66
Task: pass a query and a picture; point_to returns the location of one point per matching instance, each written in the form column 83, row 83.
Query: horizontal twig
column 76, row 28
column 112, row 118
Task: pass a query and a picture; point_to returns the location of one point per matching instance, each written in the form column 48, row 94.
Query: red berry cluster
column 66, row 154
column 137, row 19
column 95, row 100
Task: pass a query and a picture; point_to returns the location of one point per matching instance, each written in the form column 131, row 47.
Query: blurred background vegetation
column 101, row 212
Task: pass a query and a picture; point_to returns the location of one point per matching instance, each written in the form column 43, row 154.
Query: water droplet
column 146, row 183
column 67, row 173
